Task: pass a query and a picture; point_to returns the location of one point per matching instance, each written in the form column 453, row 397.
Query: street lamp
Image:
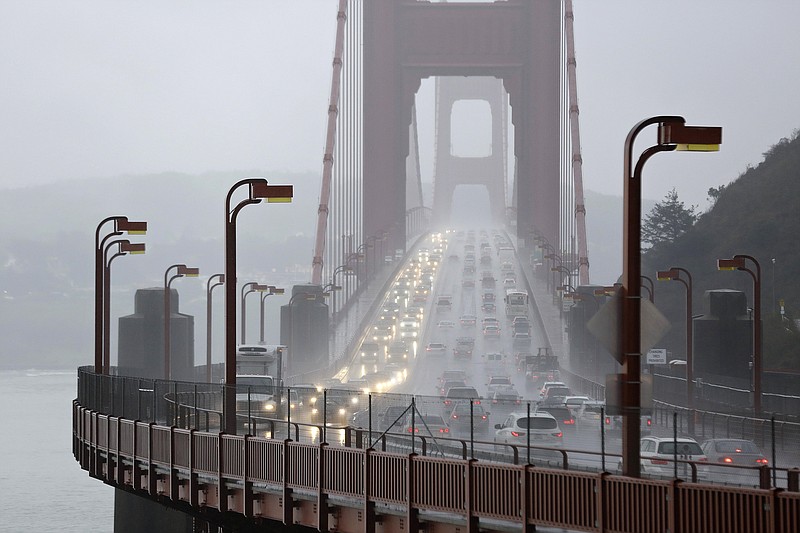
column 272, row 290
column 739, row 262
column 563, row 270
column 361, row 251
column 210, row 285
column 258, row 190
column 673, row 134
column 180, row 271
column 121, row 225
column 247, row 288
column 124, row 247
column 674, row 274
column 347, row 269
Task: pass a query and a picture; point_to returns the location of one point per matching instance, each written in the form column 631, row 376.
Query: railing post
column 152, row 484
column 173, row 472
column 194, row 498
column 412, row 513
column 322, row 496
column 527, row 511
column 369, row 506
column 288, row 503
column 673, row 509
column 248, row 485
column 469, row 498
column 222, row 490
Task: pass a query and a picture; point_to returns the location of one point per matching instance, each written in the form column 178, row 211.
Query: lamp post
column 258, row 190
column 121, row 225
column 247, row 288
column 674, row 274
column 214, row 281
column 341, row 268
column 739, row 262
column 647, row 283
column 564, row 270
column 673, row 134
column 180, row 271
column 361, row 251
column 124, row 247
column 272, row 291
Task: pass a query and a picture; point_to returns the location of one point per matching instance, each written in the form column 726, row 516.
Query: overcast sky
column 96, row 88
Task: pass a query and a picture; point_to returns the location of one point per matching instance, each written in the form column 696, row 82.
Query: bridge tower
column 452, row 169
column 517, row 41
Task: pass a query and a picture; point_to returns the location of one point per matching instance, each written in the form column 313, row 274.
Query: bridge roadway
column 298, row 480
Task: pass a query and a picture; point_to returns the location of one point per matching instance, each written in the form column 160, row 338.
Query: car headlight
column 314, row 411
column 342, row 412
column 269, row 407
column 354, row 400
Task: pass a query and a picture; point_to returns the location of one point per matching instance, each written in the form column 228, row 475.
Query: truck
column 464, row 347
column 540, row 368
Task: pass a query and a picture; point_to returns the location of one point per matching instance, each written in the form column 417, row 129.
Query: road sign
column 657, row 356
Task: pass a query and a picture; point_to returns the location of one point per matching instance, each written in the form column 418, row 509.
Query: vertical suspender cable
column 577, row 162
column 330, row 142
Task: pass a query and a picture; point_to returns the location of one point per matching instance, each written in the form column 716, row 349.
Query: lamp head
column 730, row 264
column 132, row 248
column 667, row 275
column 132, row 227
column 189, row 272
column 690, row 138
column 261, row 189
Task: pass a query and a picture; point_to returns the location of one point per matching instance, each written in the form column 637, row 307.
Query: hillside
column 758, row 214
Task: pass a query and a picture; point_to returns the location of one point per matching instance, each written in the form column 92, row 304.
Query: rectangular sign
column 657, row 356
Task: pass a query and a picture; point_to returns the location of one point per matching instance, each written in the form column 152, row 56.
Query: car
column 488, row 297
column 505, row 397
column 464, row 347
column 574, row 403
column 658, row 454
column 468, row 283
column 566, row 419
column 397, row 352
column 453, row 374
column 444, row 302
column 369, row 352
column 445, row 324
column 543, row 428
column 589, row 414
column 498, row 382
column 461, row 394
column 509, row 283
column 491, row 331
column 488, row 307
column 468, row 321
column 459, row 418
column 426, row 424
column 382, row 333
column 391, row 418
column 436, row 348
column 409, row 329
column 555, row 395
column 547, row 384
column 444, row 386
column 736, row 452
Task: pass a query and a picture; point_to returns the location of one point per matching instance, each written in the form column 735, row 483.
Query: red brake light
column 762, row 461
column 608, row 420
column 477, row 402
column 455, row 416
column 483, row 417
column 727, row 460
column 445, row 430
column 515, row 434
column 659, row 461
column 559, row 434
column 570, row 421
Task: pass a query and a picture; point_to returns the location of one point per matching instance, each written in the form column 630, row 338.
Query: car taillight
column 649, row 422
column 659, row 461
column 559, row 434
column 515, row 434
column 703, row 459
column 455, row 417
column 608, row 420
column 416, row 430
column 476, row 402
column 483, row 417
column 444, row 430
column 447, row 402
column 569, row 422
column 762, row 461
column 494, row 401
column 727, row 460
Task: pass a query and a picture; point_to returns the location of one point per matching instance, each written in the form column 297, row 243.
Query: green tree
column 668, row 220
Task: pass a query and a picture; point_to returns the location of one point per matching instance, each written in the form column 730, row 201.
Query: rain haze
column 100, row 89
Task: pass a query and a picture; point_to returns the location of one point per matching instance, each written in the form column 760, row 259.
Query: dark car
column 562, row 414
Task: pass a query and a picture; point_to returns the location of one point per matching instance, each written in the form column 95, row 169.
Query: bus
column 516, row 303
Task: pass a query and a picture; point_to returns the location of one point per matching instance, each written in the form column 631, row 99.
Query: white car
column 543, row 428
column 436, row 348
column 658, row 454
column 446, row 324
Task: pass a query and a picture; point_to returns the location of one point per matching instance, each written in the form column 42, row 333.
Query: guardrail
column 314, row 485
